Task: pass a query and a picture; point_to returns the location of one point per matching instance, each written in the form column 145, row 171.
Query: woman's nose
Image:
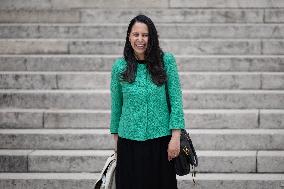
column 140, row 38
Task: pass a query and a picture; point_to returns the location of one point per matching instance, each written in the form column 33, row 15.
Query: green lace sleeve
column 175, row 93
column 116, row 97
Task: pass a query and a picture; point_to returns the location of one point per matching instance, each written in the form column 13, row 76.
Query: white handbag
column 106, row 179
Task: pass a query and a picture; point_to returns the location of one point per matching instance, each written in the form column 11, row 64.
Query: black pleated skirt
column 144, row 164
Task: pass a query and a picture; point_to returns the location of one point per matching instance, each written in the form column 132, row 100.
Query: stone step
column 226, row 4
column 194, row 119
column 270, row 160
column 211, row 119
column 93, row 161
column 73, row 4
column 101, row 80
column 244, row 63
column 39, row 16
column 159, row 15
column 100, row 99
column 87, row 180
column 167, row 31
column 172, row 15
column 202, row 119
column 271, row 119
column 115, row 46
column 184, row 15
column 94, row 139
column 64, row 4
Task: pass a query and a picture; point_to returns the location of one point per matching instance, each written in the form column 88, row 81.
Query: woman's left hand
column 174, row 145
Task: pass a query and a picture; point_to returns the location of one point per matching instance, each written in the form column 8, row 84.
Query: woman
column 147, row 136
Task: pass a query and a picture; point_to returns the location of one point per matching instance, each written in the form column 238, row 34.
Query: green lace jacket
column 139, row 110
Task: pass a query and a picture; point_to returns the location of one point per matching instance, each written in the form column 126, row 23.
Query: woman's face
column 138, row 38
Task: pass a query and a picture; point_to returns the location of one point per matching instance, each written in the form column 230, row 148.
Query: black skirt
column 144, row 164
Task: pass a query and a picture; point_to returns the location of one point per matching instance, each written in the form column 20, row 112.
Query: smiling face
column 138, row 38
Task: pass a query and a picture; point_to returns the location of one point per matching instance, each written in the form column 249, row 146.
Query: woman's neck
column 139, row 57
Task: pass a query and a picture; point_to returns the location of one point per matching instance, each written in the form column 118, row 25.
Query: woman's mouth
column 140, row 46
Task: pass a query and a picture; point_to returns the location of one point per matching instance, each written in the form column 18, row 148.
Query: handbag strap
column 108, row 162
column 104, row 170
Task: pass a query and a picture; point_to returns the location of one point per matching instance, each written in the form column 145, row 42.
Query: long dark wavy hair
column 153, row 54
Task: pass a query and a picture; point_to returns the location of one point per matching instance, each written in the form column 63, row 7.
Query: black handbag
column 187, row 157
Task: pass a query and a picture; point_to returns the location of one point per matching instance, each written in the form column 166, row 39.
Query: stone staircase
column 55, row 62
